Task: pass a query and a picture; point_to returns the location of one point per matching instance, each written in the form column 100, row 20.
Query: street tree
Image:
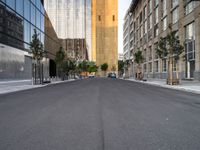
column 104, row 68
column 138, row 59
column 169, row 48
column 59, row 59
column 37, row 50
column 121, row 67
column 92, row 67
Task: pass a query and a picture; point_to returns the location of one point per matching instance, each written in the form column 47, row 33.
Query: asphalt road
column 100, row 114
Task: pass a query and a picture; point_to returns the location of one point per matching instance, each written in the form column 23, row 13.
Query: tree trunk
column 139, row 72
column 35, row 73
column 177, row 73
column 170, row 78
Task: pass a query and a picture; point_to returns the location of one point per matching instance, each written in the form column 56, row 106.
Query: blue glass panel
column 42, row 38
column 38, row 3
column 20, row 7
column 42, row 9
column 27, row 35
column 33, row 14
column 33, row 1
column 38, row 18
column 2, row 1
column 42, row 23
column 27, row 7
column 11, row 3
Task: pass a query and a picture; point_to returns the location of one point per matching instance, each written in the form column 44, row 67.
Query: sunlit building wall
column 71, row 19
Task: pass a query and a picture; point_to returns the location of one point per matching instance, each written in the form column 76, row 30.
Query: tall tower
column 105, row 33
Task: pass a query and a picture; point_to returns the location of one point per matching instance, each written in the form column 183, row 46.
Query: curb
column 166, row 86
column 37, row 86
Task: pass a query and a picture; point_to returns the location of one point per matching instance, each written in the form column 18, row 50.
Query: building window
column 156, row 66
column 174, row 3
column 189, row 7
column 38, row 4
column 190, row 32
column 150, row 6
column 20, row 7
column 141, row 17
column 156, row 15
column 27, row 6
column 141, row 31
column 164, row 65
column 145, row 67
column 113, row 17
column 145, row 12
column 156, row 2
column 164, row 8
column 99, row 18
column 174, row 65
column 150, row 22
column 175, row 15
column 150, row 67
column 145, row 27
column 38, row 19
column 145, row 55
column 190, row 41
column 156, row 30
column 150, row 53
column 155, row 53
column 164, row 23
column 33, row 12
column 11, row 3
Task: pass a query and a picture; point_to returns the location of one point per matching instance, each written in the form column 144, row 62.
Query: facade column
column 197, row 48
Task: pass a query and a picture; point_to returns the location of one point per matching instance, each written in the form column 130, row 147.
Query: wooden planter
column 173, row 81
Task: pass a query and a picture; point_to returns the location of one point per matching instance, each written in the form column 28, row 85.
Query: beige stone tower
column 105, row 33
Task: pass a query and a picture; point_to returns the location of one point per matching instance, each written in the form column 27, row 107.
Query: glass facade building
column 71, row 19
column 18, row 19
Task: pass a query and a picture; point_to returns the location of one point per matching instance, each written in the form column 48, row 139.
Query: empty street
column 100, row 114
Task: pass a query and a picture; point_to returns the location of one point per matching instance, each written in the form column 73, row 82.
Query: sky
column 123, row 7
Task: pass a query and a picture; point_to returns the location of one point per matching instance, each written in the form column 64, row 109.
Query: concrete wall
column 105, row 32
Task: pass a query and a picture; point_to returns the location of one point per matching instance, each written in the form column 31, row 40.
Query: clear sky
column 123, row 7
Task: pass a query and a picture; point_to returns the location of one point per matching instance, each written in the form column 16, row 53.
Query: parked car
column 112, row 75
column 91, row 75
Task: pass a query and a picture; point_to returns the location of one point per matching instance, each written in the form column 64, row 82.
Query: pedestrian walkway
column 16, row 85
column 189, row 86
column 20, row 85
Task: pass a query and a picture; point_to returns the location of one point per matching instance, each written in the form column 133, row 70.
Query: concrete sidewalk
column 189, row 86
column 20, row 85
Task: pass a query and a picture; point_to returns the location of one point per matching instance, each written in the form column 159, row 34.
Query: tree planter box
column 173, row 81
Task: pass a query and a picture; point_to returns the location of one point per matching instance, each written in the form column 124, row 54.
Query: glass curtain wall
column 18, row 19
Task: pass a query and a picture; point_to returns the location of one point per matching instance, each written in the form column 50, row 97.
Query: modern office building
column 128, row 56
column 71, row 20
column 120, row 56
column 18, row 19
column 149, row 20
column 105, row 32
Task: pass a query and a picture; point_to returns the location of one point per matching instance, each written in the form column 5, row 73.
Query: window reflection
column 20, row 7
column 33, row 14
column 26, row 32
column 38, row 18
column 27, row 9
column 11, row 3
